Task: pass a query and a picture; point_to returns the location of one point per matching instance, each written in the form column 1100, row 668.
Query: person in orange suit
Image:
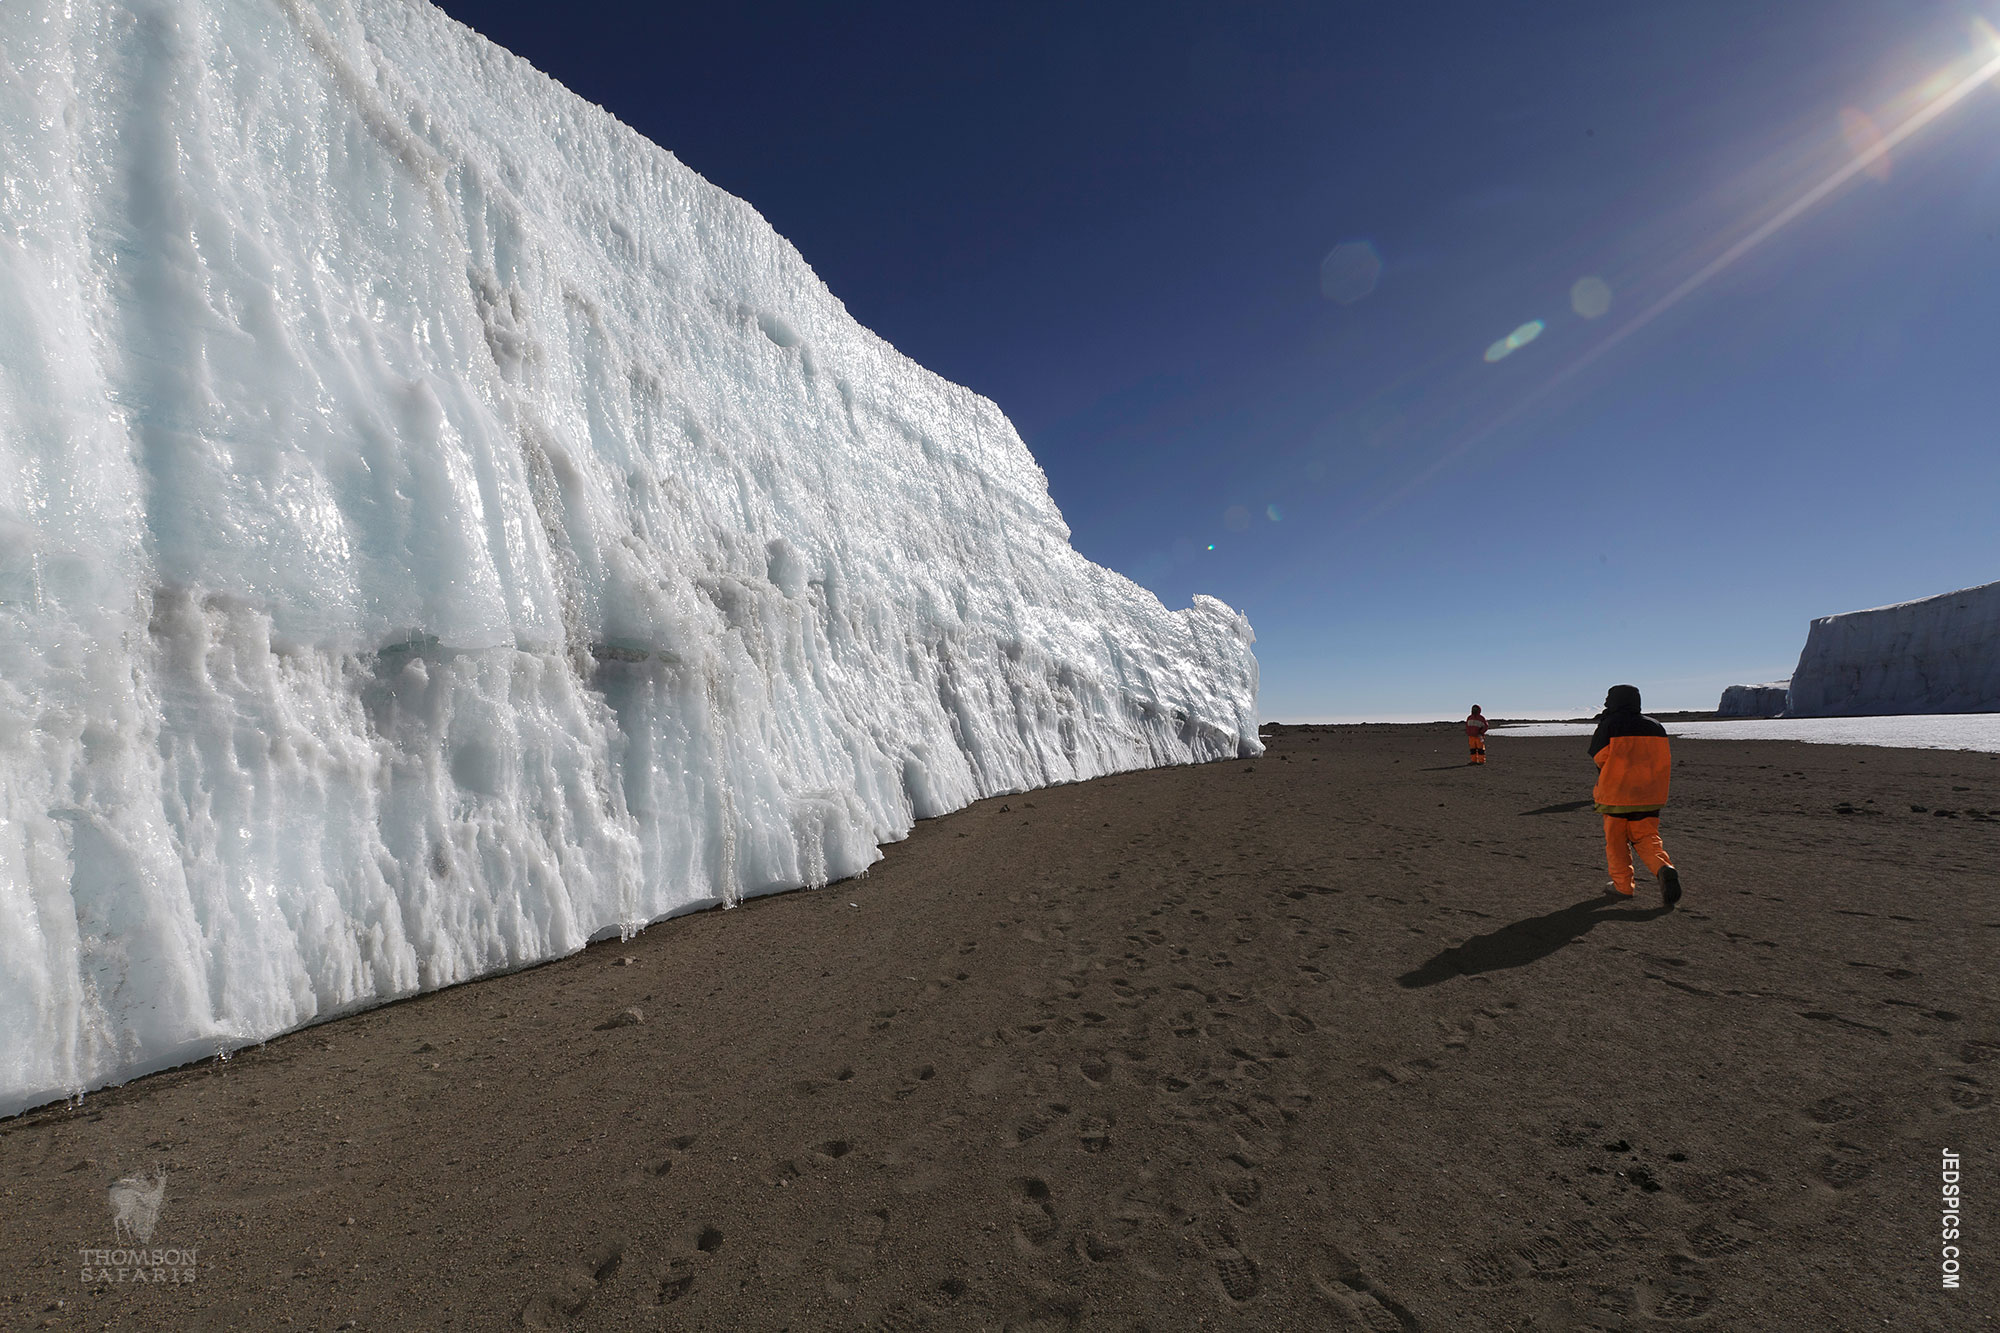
column 1633, row 765
column 1475, row 736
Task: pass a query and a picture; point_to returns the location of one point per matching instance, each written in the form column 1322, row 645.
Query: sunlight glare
column 1515, row 341
column 1864, row 138
column 1967, row 75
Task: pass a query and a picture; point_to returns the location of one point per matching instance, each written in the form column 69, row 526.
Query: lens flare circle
column 1590, row 297
column 1350, row 271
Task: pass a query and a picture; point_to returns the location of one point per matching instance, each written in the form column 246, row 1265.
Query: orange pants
column 1478, row 744
column 1625, row 834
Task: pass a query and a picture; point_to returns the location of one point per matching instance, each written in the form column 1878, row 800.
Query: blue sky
column 1115, row 222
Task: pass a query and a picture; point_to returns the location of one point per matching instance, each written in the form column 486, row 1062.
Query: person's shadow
column 1527, row 941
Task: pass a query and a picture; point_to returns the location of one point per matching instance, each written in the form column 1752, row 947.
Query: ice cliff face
column 1753, row 700
column 438, row 528
column 1936, row 655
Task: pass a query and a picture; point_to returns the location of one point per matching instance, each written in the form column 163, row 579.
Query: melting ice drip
column 437, row 528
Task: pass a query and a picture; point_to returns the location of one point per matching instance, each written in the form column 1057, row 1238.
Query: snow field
column 1947, row 731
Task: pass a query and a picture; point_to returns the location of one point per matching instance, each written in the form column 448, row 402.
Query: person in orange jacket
column 1633, row 765
column 1475, row 736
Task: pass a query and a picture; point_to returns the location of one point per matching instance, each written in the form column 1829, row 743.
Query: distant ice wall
column 1935, row 655
column 438, row 528
column 1753, row 700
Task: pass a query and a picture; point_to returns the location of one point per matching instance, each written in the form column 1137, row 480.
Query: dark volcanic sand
column 1342, row 1038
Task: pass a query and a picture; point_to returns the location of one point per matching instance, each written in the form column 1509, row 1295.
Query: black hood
column 1622, row 699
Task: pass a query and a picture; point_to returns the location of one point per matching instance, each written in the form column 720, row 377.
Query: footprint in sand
column 1730, row 1184
column 1485, row 1270
column 1546, row 1256
column 947, row 1293
column 1239, row 1182
column 1235, row 1270
column 1034, row 1125
column 1583, row 1236
column 1557, row 1255
column 1407, row 1072
column 575, row 1289
column 1677, row 1301
column 858, row 1255
column 1035, row 1222
column 1979, row 1052
column 1458, row 1033
column 1684, row 1265
column 1711, row 1240
column 1362, row 1299
column 1258, row 1125
column 1238, row 1274
column 1570, row 1134
column 1098, row 1249
column 677, row 1282
column 899, row 1318
column 1968, row 1093
column 1833, row 1110
column 1846, row 1166
column 665, row 1165
column 919, row 1076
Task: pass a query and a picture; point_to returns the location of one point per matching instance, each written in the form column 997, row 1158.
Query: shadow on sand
column 1562, row 809
column 1527, row 941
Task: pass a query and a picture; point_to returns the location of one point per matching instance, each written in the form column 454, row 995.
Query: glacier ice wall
column 1766, row 700
column 1935, row 655
column 437, row 528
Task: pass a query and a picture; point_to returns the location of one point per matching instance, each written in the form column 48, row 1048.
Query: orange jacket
column 1634, row 764
column 1475, row 725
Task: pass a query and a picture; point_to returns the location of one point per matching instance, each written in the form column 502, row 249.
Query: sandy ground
column 1341, row 1038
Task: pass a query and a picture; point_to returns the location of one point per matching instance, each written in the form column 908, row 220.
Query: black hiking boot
column 1670, row 885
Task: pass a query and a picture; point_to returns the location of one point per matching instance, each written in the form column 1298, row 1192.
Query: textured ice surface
column 1937, row 655
column 437, row 528
column 1972, row 731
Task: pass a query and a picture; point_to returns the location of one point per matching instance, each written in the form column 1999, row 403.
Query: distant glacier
column 1934, row 655
column 437, row 529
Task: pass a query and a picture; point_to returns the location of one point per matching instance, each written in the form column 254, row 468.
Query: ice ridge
column 437, row 529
